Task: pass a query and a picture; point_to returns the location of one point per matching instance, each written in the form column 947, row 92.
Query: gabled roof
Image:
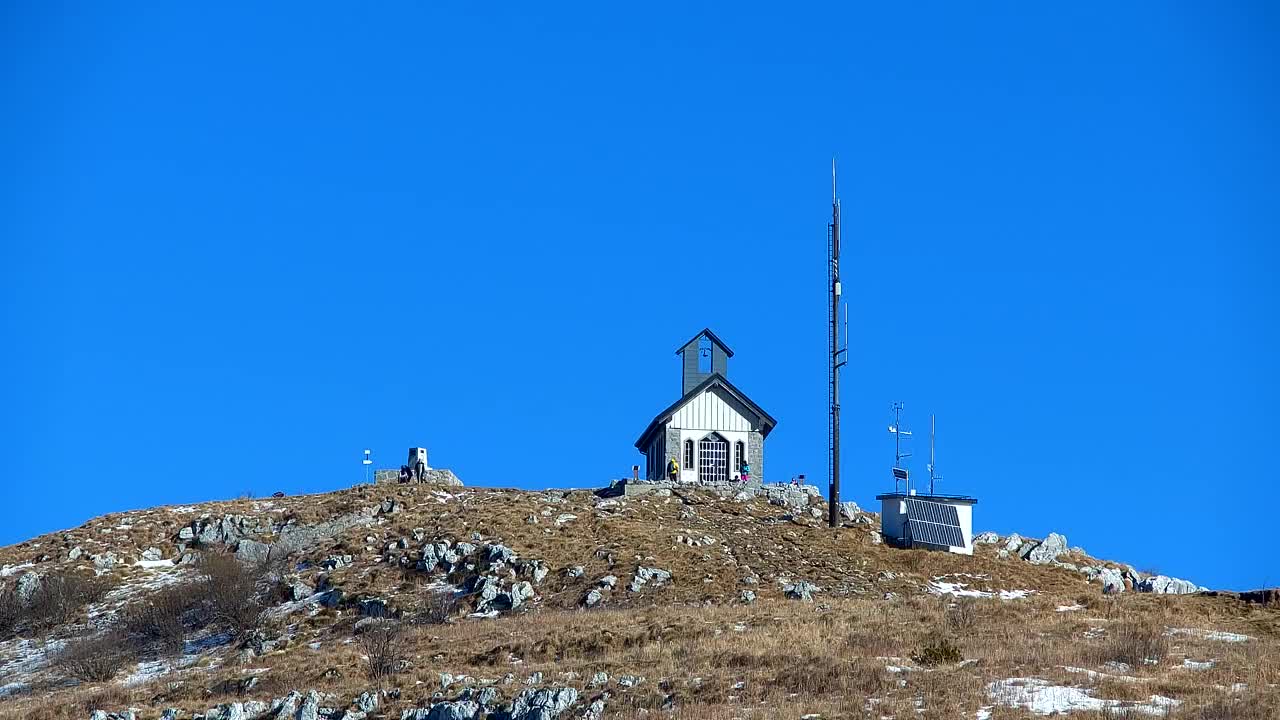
column 767, row 422
column 710, row 336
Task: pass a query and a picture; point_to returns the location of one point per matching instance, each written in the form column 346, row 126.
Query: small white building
column 714, row 431
column 934, row 522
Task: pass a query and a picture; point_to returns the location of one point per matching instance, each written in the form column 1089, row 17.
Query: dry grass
column 702, row 654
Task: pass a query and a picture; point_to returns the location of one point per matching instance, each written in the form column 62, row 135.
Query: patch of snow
column 181, row 509
column 153, row 564
column 1044, row 698
column 441, row 496
column 8, row 570
column 20, row 658
column 1070, row 608
column 1095, row 675
column 1190, row 664
column 958, row 589
column 1208, row 634
column 205, row 642
column 13, row 688
column 484, row 615
column 124, row 527
column 983, row 713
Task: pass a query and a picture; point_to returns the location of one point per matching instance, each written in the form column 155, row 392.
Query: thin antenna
column 900, row 473
column 836, row 350
column 933, row 467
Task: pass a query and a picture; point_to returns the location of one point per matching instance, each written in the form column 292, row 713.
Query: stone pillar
column 674, row 450
column 755, row 455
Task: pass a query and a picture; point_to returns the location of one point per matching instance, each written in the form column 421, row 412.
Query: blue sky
column 240, row 244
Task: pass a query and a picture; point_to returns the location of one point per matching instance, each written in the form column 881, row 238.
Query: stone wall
column 433, row 476
column 755, row 456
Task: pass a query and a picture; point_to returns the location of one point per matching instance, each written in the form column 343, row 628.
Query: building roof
column 961, row 499
column 710, row 336
column 767, row 422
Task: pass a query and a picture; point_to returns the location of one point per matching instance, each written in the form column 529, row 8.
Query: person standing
column 746, row 472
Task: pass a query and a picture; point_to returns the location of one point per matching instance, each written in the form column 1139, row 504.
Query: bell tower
column 700, row 358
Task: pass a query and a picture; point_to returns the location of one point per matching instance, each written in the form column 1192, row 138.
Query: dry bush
column 937, row 650
column 231, row 592
column 437, row 609
column 963, row 615
column 60, row 596
column 156, row 621
column 94, row 659
column 383, row 643
column 1135, row 643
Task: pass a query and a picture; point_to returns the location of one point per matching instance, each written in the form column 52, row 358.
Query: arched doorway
column 713, row 459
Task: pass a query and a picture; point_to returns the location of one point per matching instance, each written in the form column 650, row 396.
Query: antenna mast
column 900, row 474
column 933, row 466
column 836, row 361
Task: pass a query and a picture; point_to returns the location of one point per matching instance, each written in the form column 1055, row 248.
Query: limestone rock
column 986, row 538
column 1047, row 551
column 802, row 590
column 1164, row 585
column 543, row 704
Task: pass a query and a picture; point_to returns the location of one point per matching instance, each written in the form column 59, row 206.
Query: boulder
column 299, row 590
column 27, row 586
column 1013, row 543
column 593, row 598
column 1164, row 585
column 747, row 597
column 802, row 590
column 543, row 704
column 1112, row 581
column 1047, row 551
column 645, row 575
column 986, row 538
column 850, row 510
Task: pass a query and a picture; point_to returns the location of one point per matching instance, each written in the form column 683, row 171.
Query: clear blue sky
column 239, row 244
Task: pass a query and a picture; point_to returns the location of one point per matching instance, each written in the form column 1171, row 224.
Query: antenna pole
column 834, row 358
column 933, row 428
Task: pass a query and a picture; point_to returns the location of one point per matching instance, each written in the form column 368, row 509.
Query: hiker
column 746, row 472
column 673, row 469
column 404, row 473
column 420, row 470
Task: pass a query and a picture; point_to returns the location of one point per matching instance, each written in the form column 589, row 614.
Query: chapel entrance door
column 713, row 459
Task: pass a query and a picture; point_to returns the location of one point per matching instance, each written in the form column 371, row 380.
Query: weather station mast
column 838, row 356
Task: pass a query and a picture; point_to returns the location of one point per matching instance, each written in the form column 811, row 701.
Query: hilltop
column 443, row 602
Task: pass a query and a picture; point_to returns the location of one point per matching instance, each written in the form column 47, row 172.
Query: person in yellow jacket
column 673, row 469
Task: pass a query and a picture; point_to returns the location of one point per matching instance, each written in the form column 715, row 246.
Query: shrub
column 231, row 592
column 94, row 659
column 382, row 643
column 963, row 615
column 937, row 651
column 157, row 620
column 60, row 596
column 436, row 609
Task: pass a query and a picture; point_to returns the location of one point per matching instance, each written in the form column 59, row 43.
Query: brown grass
column 232, row 592
column 703, row 655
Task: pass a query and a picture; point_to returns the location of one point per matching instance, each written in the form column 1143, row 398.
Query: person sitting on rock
column 404, row 473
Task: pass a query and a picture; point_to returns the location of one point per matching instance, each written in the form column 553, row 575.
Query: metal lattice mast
column 835, row 361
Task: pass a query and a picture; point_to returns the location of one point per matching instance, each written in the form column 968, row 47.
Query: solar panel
column 934, row 523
